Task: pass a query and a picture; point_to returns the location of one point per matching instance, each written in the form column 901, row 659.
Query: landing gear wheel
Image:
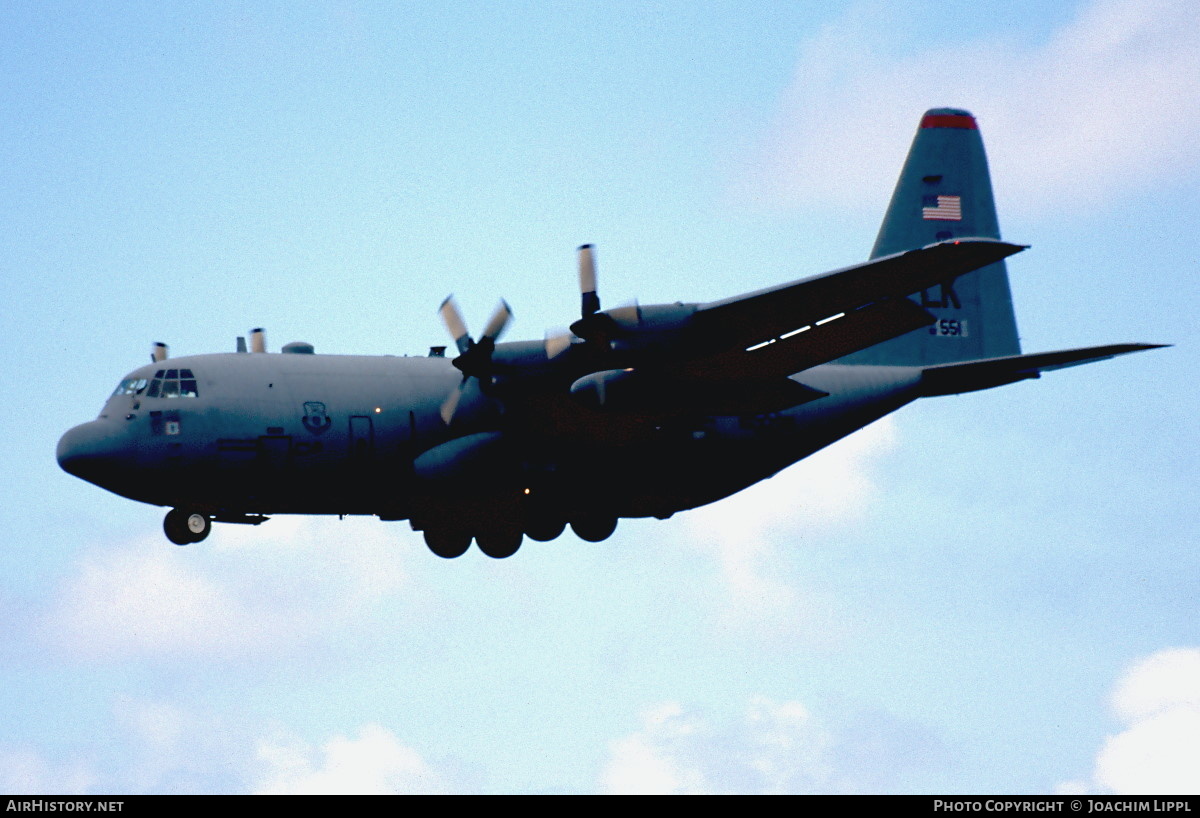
column 545, row 529
column 594, row 529
column 198, row 525
column 499, row 543
column 447, row 543
column 184, row 527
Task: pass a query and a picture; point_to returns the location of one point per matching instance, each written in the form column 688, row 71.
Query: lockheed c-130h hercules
column 639, row 411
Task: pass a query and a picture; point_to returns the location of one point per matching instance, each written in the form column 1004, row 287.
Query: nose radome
column 86, row 451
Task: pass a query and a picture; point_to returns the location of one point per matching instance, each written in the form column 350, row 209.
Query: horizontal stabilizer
column 969, row 376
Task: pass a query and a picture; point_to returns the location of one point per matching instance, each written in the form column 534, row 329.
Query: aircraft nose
column 86, row 451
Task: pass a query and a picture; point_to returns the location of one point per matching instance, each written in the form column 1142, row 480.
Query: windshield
column 131, row 386
column 173, row 383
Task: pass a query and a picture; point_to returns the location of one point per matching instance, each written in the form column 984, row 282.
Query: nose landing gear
column 184, row 527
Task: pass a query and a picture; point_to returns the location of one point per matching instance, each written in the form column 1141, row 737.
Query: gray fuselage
column 273, row 433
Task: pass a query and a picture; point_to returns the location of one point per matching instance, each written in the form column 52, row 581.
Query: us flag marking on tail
column 941, row 208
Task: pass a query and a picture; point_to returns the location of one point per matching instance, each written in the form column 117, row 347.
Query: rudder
column 945, row 192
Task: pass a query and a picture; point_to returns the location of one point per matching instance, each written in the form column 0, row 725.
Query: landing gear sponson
column 184, row 527
column 449, row 542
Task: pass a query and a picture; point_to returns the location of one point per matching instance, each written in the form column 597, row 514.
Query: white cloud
column 139, row 598
column 373, row 763
column 1107, row 103
column 26, row 771
column 1158, row 752
column 748, row 533
column 263, row 589
column 1162, row 682
column 776, row 748
column 772, row 747
column 159, row 746
column 168, row 748
column 646, row 763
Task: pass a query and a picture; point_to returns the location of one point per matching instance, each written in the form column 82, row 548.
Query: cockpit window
column 173, row 383
column 131, row 386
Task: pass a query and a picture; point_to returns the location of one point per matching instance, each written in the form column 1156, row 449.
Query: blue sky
column 989, row 593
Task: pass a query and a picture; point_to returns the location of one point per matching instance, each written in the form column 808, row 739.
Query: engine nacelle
column 480, row 460
column 612, row 389
column 630, row 390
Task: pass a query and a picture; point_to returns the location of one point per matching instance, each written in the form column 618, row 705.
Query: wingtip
column 1000, row 248
column 1122, row 349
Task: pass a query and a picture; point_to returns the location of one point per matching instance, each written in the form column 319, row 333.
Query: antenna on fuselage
column 241, row 343
column 158, row 352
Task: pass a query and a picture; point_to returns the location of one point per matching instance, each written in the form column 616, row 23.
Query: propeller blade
column 590, row 299
column 474, row 358
column 499, row 320
column 557, row 343
column 453, row 320
column 450, row 405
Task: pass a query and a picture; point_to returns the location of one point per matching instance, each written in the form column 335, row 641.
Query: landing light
column 378, row 410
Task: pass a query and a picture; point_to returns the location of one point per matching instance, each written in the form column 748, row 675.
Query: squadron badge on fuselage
column 315, row 419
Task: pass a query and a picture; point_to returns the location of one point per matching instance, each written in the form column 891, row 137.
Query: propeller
column 474, row 357
column 559, row 341
column 592, row 326
column 595, row 327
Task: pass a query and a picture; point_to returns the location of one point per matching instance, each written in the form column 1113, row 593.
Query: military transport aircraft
column 636, row 412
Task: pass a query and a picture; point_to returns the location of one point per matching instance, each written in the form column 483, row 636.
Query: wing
column 969, row 376
column 786, row 329
column 725, row 357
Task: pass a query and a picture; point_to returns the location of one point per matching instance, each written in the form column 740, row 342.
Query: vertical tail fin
column 945, row 192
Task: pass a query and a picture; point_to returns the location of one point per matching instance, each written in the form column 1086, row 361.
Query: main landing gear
column 450, row 540
column 449, row 543
column 184, row 527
